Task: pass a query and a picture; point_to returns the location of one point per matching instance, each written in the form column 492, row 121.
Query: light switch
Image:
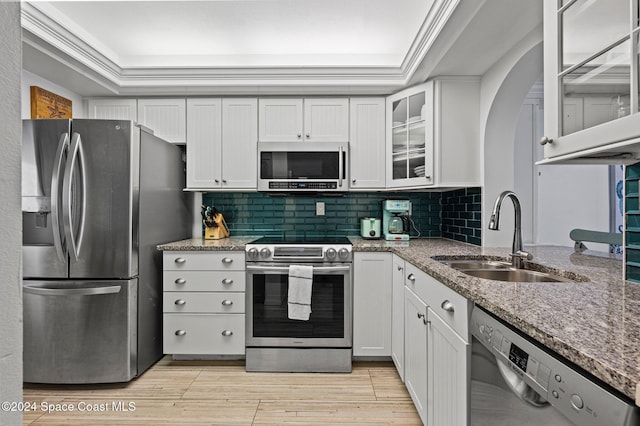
column 319, row 208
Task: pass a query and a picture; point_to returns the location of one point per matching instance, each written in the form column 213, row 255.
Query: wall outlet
column 319, row 208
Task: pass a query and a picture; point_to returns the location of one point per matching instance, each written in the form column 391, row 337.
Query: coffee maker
column 395, row 220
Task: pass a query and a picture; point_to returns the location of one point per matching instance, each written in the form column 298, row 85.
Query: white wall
column 30, row 79
column 10, row 212
column 502, row 91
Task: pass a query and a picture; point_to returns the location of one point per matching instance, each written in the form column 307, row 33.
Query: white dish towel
column 299, row 295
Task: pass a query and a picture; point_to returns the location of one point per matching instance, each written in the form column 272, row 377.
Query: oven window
column 299, row 165
column 270, row 313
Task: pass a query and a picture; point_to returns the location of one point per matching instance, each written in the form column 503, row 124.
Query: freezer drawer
column 80, row 331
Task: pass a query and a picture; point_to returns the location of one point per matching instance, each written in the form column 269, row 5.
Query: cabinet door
column 367, row 143
column 204, row 143
column 239, row 143
column 581, row 60
column 448, row 374
column 372, row 304
column 113, row 109
column 280, row 120
column 166, row 117
column 397, row 315
column 410, row 137
column 415, row 351
column 326, row 120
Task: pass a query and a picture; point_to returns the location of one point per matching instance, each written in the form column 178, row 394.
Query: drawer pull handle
column 227, row 333
column 227, row 260
column 181, row 281
column 180, row 333
column 227, row 281
column 411, row 278
column 180, row 260
column 447, row 306
column 180, row 302
column 227, row 302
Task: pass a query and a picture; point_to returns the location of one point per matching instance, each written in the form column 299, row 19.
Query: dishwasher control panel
column 554, row 380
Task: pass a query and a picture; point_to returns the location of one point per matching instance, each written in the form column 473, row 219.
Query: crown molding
column 48, row 34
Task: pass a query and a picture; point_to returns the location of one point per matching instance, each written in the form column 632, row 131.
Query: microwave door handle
column 75, row 155
column 340, row 166
column 56, row 176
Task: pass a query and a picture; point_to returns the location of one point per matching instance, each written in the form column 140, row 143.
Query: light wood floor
column 223, row 393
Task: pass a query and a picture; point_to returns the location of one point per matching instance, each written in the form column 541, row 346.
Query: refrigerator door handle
column 89, row 291
column 58, row 242
column 75, row 156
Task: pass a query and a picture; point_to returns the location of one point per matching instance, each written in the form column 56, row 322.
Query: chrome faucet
column 517, row 253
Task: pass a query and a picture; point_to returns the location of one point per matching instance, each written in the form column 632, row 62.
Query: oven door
column 330, row 321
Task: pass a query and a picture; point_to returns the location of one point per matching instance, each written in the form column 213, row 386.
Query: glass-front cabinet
column 410, row 130
column 591, row 65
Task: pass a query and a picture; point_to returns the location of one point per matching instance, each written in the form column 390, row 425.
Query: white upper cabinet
column 433, row 135
column 222, row 138
column 113, row 109
column 204, row 143
column 591, row 81
column 290, row 120
column 166, row 117
column 367, row 143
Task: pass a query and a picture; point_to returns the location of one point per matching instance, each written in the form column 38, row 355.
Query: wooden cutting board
column 45, row 104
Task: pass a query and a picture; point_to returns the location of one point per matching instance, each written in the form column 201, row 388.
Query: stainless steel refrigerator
column 97, row 197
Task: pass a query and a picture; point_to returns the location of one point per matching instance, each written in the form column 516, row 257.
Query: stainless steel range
column 323, row 343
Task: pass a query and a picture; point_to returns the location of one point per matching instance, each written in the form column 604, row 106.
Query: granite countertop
column 595, row 324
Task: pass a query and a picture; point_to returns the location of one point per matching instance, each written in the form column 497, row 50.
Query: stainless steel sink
column 515, row 275
column 477, row 264
column 500, row 270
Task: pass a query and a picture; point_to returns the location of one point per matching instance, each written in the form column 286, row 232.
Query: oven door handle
column 286, row 268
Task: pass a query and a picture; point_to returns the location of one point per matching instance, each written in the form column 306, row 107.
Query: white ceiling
column 246, row 33
column 168, row 47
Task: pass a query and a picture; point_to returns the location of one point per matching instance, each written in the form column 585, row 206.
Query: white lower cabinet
column 372, row 304
column 448, row 369
column 437, row 350
column 203, row 303
column 397, row 314
column 415, row 351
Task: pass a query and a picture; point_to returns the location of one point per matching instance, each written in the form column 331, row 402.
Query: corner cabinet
column 372, row 304
column 433, row 136
column 297, row 119
column 203, row 303
column 591, row 75
column 221, row 134
column 367, row 143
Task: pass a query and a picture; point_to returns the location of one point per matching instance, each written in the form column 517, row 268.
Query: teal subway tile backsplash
column 632, row 223
column 260, row 214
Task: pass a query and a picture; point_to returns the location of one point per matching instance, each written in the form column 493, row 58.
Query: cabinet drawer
column 209, row 303
column 205, row 334
column 204, row 281
column 199, row 261
column 450, row 306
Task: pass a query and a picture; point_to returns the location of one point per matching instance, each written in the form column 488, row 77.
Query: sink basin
column 501, row 270
column 477, row 264
column 514, row 275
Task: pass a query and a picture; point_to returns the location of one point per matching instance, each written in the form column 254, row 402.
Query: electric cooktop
column 302, row 239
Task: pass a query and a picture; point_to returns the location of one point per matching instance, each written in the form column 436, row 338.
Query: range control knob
column 330, row 253
column 577, row 401
column 265, row 252
column 343, row 253
column 252, row 253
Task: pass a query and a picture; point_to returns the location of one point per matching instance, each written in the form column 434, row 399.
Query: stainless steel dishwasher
column 515, row 381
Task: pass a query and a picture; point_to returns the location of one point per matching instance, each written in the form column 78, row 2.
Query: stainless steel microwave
column 303, row 166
